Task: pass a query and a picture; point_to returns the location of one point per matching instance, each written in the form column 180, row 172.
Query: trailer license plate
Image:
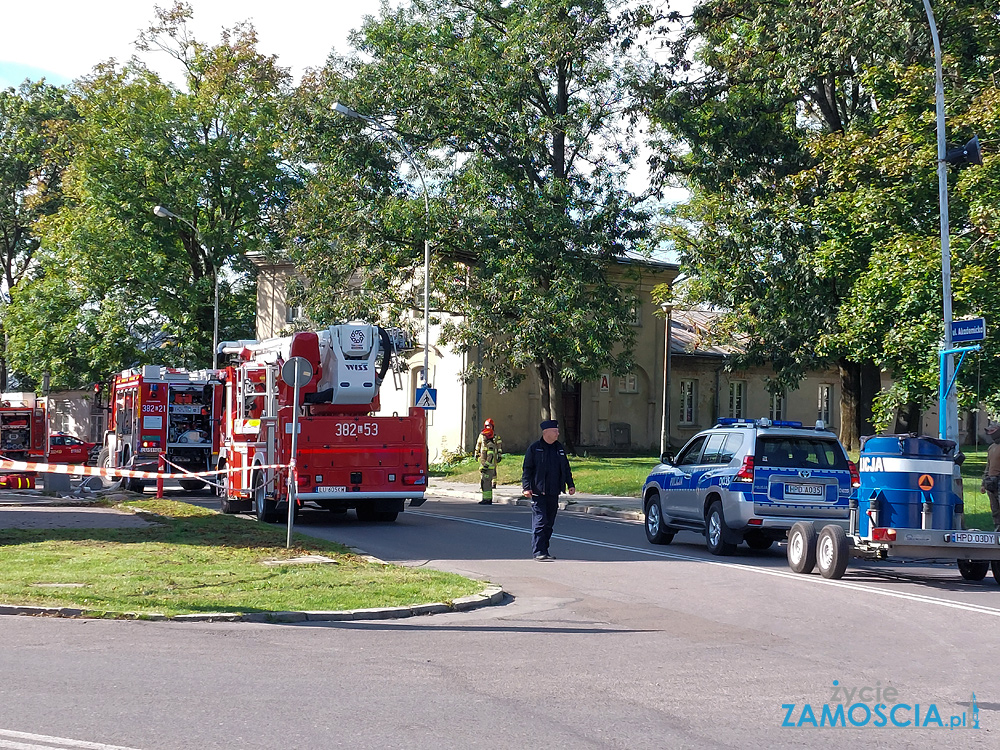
column 330, row 490
column 969, row 537
column 815, row 490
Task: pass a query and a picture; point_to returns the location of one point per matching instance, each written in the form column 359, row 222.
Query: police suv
column 748, row 481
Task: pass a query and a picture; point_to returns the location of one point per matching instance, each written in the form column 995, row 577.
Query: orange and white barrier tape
column 113, row 473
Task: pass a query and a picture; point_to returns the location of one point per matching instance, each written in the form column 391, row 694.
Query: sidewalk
column 581, row 502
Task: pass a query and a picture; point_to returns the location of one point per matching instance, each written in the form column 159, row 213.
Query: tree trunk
column 871, row 384
column 850, row 400
column 551, row 389
column 859, row 383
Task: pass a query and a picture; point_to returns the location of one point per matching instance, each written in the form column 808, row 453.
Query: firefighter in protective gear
column 489, row 451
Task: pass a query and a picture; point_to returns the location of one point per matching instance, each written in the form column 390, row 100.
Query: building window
column 738, row 399
column 293, row 313
column 823, row 405
column 778, row 405
column 635, row 314
column 628, row 383
column 687, row 402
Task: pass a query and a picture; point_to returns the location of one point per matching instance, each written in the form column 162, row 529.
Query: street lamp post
column 165, row 213
column 347, row 111
column 667, row 344
column 949, row 424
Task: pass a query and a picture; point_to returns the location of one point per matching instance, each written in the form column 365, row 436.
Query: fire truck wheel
column 832, row 551
column 266, row 509
column 974, row 570
column 995, row 567
column 386, row 516
column 134, row 485
column 802, row 547
column 191, row 485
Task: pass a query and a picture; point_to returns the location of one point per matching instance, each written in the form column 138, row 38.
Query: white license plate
column 814, row 490
column 973, row 537
column 322, row 490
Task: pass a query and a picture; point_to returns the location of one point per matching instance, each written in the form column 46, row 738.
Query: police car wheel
column 995, row 567
column 656, row 532
column 832, row 551
column 715, row 524
column 802, row 547
column 974, row 570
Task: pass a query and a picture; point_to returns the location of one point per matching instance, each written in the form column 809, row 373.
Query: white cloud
column 67, row 38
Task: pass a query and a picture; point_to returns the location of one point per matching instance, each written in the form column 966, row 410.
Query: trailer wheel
column 995, row 566
column 832, row 551
column 802, row 547
column 656, row 532
column 228, row 506
column 266, row 509
column 974, row 570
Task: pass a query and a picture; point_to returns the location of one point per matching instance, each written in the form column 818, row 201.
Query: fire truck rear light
column 303, row 480
column 883, row 535
column 319, row 479
column 745, row 474
column 414, row 479
column 392, row 477
column 150, row 443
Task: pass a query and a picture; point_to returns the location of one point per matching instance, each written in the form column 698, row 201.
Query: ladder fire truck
column 23, row 435
column 154, row 411
column 346, row 456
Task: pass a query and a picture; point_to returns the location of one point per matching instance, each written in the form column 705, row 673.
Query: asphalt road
column 617, row 644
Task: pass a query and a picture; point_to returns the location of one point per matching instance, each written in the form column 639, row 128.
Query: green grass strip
column 191, row 560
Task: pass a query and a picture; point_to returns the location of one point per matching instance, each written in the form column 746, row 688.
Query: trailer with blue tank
column 909, row 505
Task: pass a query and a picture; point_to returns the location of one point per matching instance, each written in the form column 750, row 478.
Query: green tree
column 809, row 137
column 33, row 159
column 209, row 153
column 517, row 114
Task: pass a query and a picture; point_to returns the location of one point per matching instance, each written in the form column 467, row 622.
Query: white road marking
column 51, row 742
column 921, row 598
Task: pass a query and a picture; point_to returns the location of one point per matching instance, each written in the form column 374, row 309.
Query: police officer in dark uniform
column 545, row 474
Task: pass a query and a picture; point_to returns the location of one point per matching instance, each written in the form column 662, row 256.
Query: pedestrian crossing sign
column 427, row 397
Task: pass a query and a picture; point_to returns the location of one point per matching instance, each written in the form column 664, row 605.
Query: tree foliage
column 127, row 281
column 33, row 157
column 806, row 132
column 517, row 116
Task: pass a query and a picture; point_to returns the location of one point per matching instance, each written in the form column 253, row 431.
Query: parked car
column 748, row 481
column 69, row 449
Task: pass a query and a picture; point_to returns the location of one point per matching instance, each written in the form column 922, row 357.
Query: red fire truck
column 23, row 435
column 346, row 456
column 156, row 410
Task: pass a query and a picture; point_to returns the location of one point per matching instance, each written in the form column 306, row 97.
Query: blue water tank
column 900, row 472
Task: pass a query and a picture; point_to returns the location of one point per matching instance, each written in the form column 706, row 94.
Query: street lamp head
column 345, row 110
column 163, row 213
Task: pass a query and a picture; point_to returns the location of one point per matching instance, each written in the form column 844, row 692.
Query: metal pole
column 215, row 326
column 293, row 472
column 949, row 404
column 665, row 413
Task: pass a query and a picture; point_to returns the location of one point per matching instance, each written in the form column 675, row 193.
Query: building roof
column 691, row 334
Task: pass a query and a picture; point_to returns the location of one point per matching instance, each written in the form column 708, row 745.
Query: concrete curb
column 489, row 596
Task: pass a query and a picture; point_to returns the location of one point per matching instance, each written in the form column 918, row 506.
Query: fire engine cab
column 347, row 457
column 158, row 411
